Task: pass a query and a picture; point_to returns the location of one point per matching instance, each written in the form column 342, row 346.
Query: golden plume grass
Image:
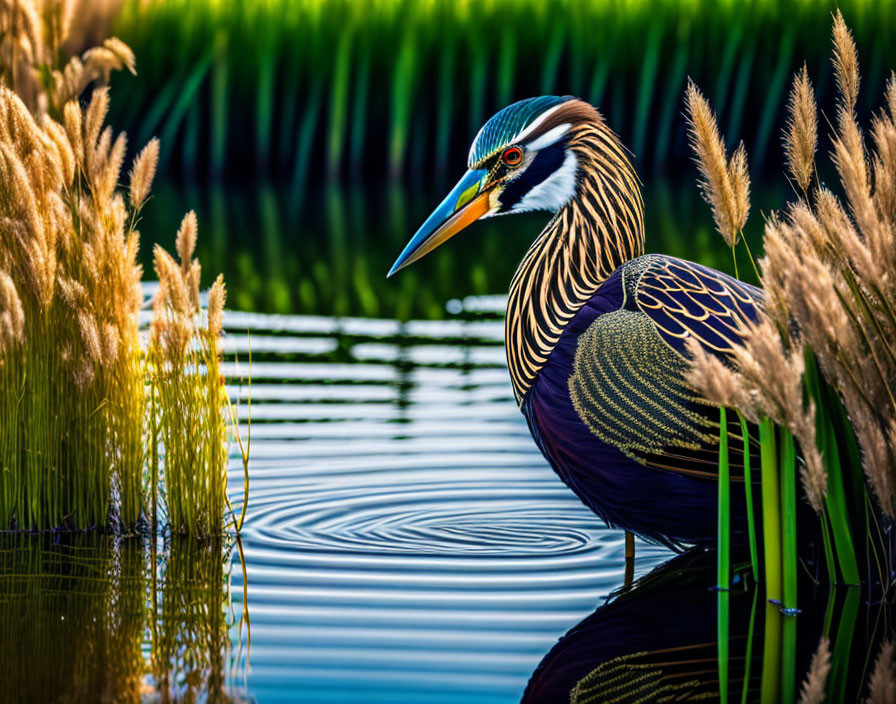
column 725, row 184
column 72, row 371
column 882, row 685
column 829, row 278
column 184, row 365
column 801, row 135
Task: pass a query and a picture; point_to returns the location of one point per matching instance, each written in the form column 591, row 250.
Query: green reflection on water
column 71, row 618
column 328, row 253
column 93, row 618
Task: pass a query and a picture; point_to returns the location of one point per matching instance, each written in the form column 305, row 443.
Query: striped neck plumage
column 599, row 228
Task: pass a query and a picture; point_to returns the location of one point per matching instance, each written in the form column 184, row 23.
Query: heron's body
column 595, row 329
column 612, row 415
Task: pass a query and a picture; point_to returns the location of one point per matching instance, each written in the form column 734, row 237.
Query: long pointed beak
column 467, row 202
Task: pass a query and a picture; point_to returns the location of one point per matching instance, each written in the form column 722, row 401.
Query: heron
column 596, row 330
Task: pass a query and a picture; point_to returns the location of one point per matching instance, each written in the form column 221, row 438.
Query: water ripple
column 405, row 540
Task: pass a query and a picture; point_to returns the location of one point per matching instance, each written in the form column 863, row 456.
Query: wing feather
column 628, row 382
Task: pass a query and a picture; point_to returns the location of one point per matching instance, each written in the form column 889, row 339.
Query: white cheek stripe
column 555, row 191
column 541, row 118
column 522, row 135
column 549, row 137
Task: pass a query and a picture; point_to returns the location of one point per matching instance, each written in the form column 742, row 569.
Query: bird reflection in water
column 659, row 641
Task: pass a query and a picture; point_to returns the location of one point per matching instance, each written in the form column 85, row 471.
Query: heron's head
column 521, row 160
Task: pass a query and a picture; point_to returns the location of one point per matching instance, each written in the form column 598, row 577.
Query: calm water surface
column 405, row 539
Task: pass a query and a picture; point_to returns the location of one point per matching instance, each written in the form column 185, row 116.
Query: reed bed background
column 72, row 370
column 319, row 89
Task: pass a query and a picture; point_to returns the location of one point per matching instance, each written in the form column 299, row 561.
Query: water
column 405, row 540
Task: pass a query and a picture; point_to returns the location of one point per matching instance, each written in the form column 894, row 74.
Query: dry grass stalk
column 813, row 690
column 32, row 35
column 725, row 184
column 801, row 135
column 143, row 172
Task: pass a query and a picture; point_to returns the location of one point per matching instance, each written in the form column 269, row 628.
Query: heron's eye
column 513, row 156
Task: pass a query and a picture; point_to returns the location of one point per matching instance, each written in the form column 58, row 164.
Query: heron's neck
column 599, row 229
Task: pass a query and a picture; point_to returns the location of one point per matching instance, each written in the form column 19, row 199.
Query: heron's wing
column 628, row 375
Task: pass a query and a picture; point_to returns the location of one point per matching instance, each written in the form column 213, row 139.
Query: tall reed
column 819, row 363
column 72, row 386
column 188, row 398
column 71, row 365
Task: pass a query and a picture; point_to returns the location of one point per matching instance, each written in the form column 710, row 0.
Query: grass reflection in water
column 86, row 618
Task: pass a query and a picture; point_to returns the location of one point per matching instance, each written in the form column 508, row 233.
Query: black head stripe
column 546, row 162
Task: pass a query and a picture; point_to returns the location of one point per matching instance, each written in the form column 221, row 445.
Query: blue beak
column 467, row 202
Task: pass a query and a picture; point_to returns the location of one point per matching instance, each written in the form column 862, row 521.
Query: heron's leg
column 629, row 558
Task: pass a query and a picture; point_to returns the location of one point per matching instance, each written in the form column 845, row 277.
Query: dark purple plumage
column 658, row 504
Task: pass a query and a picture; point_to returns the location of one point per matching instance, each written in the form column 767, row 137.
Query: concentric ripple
column 405, row 541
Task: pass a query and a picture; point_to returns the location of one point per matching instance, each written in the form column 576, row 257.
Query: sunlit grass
column 72, row 368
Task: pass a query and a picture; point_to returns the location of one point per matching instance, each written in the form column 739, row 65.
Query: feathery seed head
column 74, row 130
column 882, row 685
column 714, row 380
column 143, row 172
column 801, row 135
column 12, row 315
column 94, row 118
column 813, row 690
column 726, row 187
column 216, row 299
column 846, row 64
column 123, row 52
column 185, row 243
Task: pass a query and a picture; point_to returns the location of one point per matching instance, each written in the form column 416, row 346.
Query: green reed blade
column 788, row 518
column 742, row 84
column 646, row 84
column 675, row 81
column 788, row 658
column 773, row 98
column 828, row 549
column 507, row 58
column 339, row 102
column 835, row 499
column 770, row 687
column 735, row 33
column 265, row 99
column 219, row 109
column 723, row 604
column 402, row 102
column 840, row 655
column 551, row 61
column 771, row 510
column 724, row 506
column 748, row 491
column 446, row 107
column 748, row 653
